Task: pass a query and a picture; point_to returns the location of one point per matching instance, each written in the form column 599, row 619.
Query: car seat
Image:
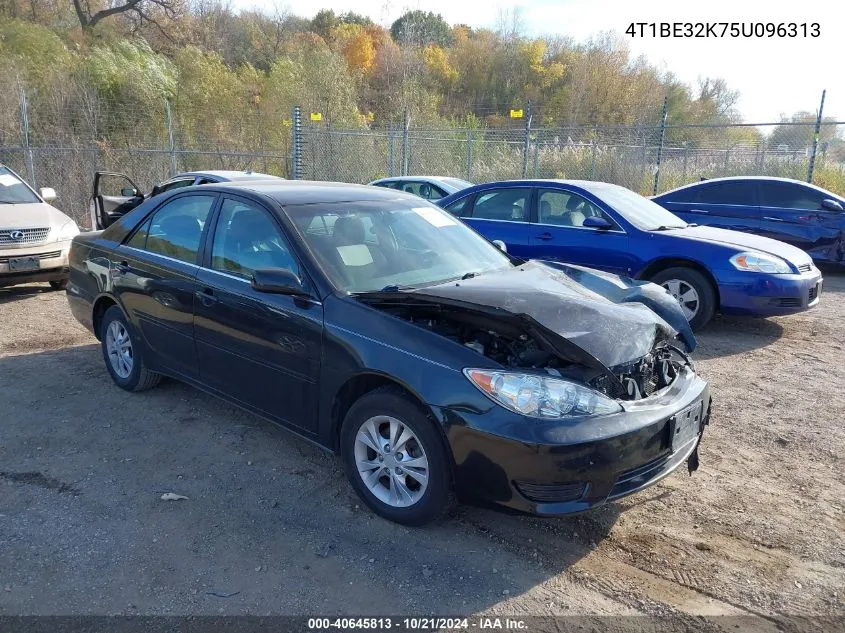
column 574, row 215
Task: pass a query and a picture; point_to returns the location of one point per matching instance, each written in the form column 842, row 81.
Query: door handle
column 206, row 297
column 121, row 268
column 773, row 219
column 545, row 236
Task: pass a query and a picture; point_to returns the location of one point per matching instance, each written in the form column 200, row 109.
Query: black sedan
column 377, row 325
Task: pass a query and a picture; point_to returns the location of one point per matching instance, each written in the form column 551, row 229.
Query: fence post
column 527, row 140
column 686, row 159
column 405, row 149
column 469, row 155
column 660, row 147
column 297, row 143
column 169, row 113
column 812, row 165
column 30, row 165
column 391, row 156
column 594, row 142
column 536, row 155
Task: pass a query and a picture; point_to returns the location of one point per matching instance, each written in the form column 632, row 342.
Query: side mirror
column 500, row 245
column 280, row 281
column 597, row 222
column 129, row 192
column 832, row 205
column 48, row 194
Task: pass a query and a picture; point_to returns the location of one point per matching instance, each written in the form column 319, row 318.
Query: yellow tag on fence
column 316, row 116
column 516, row 114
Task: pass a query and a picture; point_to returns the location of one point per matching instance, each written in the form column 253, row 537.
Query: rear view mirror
column 596, row 222
column 832, row 205
column 48, row 194
column 500, row 245
column 128, row 192
column 280, row 281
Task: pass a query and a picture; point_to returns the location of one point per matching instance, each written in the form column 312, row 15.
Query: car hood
column 614, row 319
column 31, row 215
column 742, row 242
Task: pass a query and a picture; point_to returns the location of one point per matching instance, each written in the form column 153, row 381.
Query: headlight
column 68, row 231
column 759, row 263
column 541, row 396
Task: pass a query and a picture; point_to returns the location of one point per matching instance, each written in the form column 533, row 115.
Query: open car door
column 115, row 195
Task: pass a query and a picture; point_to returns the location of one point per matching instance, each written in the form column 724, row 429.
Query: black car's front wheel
column 692, row 290
column 395, row 458
column 123, row 353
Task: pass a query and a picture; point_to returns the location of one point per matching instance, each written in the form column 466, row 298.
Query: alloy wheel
column 119, row 349
column 685, row 295
column 391, row 461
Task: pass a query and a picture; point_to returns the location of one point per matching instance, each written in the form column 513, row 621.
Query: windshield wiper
column 395, row 288
column 664, row 227
column 470, row 275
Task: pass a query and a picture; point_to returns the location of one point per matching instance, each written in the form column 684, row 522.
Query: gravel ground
column 270, row 525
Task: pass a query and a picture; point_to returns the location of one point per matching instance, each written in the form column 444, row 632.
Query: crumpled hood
column 31, row 215
column 742, row 242
column 614, row 319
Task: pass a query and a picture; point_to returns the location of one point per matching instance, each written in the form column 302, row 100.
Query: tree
column 140, row 10
column 324, row 22
column 419, row 28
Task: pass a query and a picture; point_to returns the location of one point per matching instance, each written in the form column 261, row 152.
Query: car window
column 563, row 208
column 13, row 190
column 176, row 184
column 687, row 194
column 458, row 207
column 786, row 195
column 175, row 230
column 510, row 203
column 732, row 192
column 247, row 239
column 206, row 181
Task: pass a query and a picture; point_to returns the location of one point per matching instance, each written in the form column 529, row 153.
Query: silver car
column 428, row 187
column 34, row 236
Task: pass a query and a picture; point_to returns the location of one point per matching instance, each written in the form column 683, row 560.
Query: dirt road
column 270, row 525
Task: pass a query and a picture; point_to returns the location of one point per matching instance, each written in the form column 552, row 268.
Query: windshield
column 639, row 211
column 388, row 245
column 13, row 190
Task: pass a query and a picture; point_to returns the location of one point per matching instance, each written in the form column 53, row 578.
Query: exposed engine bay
column 514, row 343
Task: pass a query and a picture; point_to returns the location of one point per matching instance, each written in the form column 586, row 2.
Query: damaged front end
column 576, row 324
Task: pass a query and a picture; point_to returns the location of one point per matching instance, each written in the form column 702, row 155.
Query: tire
column 423, row 453
column 675, row 280
column 61, row 284
column 123, row 353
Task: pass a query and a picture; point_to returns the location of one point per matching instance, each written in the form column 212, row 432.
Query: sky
column 775, row 76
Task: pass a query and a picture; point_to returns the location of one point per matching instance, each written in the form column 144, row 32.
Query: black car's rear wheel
column 692, row 290
column 395, row 458
column 123, row 353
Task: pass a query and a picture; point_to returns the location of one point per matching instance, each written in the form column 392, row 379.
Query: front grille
column 551, row 493
column 787, row 302
column 23, row 236
column 814, row 292
column 805, row 268
column 50, row 255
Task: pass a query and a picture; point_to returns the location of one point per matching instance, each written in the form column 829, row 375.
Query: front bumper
column 550, row 469
column 52, row 259
column 763, row 294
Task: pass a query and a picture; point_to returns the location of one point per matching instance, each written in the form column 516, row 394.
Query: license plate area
column 20, row 264
column 685, row 425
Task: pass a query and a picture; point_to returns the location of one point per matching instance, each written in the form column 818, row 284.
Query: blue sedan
column 794, row 212
column 611, row 228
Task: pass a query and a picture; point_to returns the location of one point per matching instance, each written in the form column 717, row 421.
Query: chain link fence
column 61, row 142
